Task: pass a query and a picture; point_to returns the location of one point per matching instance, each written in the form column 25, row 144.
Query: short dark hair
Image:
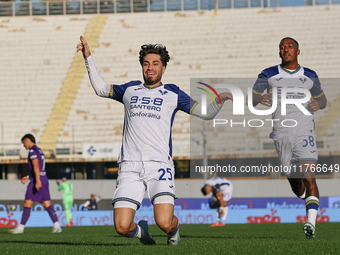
column 154, row 49
column 297, row 44
column 29, row 136
column 203, row 190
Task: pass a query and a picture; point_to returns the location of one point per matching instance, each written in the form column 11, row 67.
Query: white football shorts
column 134, row 178
column 295, row 149
column 226, row 193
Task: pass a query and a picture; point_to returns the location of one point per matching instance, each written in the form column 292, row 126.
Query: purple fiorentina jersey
column 36, row 153
column 32, row 193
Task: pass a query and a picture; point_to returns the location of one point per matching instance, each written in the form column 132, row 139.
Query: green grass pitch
column 195, row 239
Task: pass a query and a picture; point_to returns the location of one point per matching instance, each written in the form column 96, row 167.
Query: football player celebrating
column 145, row 161
column 296, row 144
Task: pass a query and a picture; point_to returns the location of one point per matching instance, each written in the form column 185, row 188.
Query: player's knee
column 164, row 224
column 122, row 229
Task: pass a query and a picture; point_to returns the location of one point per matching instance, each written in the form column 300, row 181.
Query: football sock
column 138, row 232
column 52, row 214
column 174, row 233
column 225, row 213
column 25, row 215
column 218, row 216
column 312, row 206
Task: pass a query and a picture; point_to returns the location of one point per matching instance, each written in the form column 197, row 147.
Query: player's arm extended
column 36, row 168
column 99, row 85
column 101, row 88
column 212, row 109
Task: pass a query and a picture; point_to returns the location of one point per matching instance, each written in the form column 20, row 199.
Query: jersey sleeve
column 98, row 84
column 216, row 189
column 316, row 90
column 185, row 102
column 33, row 154
column 117, row 91
column 261, row 83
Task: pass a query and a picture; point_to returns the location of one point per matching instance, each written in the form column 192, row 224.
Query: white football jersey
column 149, row 117
column 222, row 184
column 279, row 77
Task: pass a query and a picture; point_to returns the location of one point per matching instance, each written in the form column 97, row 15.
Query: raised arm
column 99, row 85
column 212, row 109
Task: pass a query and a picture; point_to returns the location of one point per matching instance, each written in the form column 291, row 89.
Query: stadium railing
column 37, row 8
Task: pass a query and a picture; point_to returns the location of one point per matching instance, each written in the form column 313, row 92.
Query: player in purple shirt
column 37, row 189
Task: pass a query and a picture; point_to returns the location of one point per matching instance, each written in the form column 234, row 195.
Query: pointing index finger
column 82, row 39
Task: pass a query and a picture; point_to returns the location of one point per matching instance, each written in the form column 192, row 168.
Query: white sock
column 218, row 216
column 21, row 227
column 311, row 216
column 56, row 224
column 225, row 213
column 312, row 205
column 140, row 232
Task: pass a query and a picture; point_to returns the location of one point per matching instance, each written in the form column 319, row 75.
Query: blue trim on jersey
column 172, row 87
column 316, row 90
column 117, row 91
column 290, row 72
column 184, row 103
column 262, row 80
column 170, row 137
column 225, row 183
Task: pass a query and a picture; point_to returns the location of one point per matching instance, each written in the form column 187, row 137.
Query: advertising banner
column 101, row 150
column 205, row 216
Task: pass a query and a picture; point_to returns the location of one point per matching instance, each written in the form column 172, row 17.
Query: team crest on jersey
column 163, row 92
column 303, row 79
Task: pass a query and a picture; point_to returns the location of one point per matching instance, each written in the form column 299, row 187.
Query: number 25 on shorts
column 165, row 174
